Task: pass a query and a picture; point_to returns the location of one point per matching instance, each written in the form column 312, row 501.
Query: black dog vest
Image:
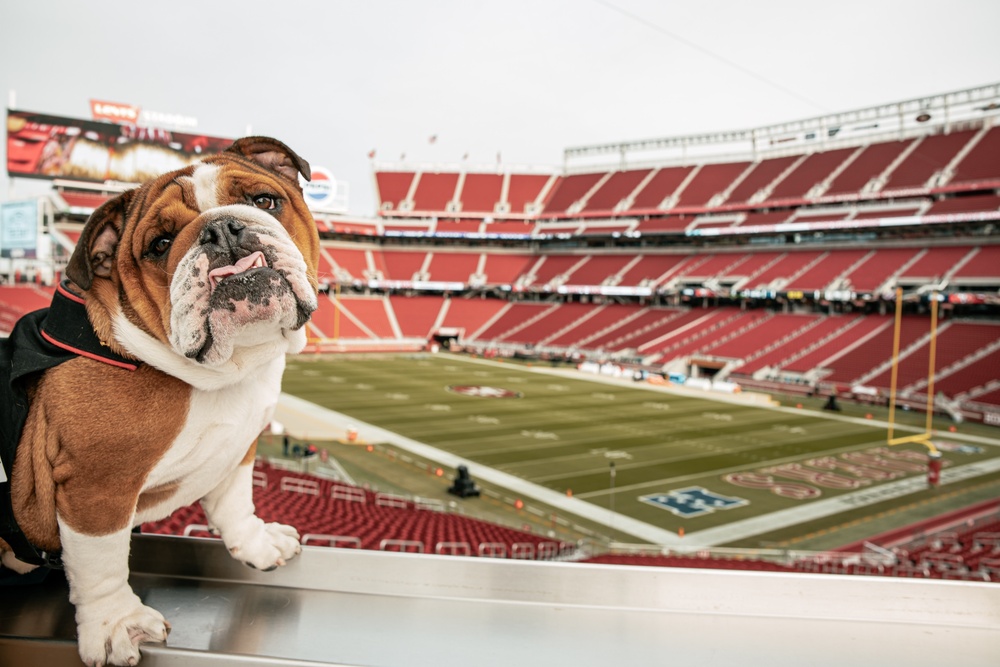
column 40, row 340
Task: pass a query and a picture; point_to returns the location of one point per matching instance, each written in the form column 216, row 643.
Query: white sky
column 523, row 78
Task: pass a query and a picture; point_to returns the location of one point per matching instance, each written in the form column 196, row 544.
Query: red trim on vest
column 69, row 295
column 89, row 355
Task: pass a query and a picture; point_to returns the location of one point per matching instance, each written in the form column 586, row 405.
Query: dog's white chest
column 219, row 429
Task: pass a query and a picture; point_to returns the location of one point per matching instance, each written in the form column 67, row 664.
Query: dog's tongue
column 249, row 262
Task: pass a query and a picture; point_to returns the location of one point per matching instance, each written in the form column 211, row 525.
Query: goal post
column 925, row 437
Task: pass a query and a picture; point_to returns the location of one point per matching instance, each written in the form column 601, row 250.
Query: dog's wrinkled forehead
column 204, row 183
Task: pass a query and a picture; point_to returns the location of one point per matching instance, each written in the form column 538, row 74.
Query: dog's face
column 209, row 261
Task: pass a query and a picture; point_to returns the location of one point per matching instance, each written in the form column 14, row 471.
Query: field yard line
column 819, row 509
column 698, row 455
column 288, row 405
column 721, row 398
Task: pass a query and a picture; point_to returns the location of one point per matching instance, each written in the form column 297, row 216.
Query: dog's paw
column 271, row 545
column 115, row 641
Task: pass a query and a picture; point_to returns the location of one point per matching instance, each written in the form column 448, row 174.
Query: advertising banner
column 45, row 146
column 18, row 229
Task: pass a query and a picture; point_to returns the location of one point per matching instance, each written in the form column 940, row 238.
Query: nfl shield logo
column 693, row 501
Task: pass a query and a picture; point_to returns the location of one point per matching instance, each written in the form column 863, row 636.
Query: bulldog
column 188, row 292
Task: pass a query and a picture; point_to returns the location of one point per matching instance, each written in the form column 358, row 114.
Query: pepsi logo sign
column 321, row 190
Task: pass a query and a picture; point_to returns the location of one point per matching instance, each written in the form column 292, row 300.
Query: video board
column 45, row 146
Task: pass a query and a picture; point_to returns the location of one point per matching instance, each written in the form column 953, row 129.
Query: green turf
column 564, row 432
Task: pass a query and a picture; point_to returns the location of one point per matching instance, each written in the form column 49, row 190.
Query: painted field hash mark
column 483, row 419
column 540, row 435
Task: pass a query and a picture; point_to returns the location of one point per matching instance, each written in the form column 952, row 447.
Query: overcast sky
column 524, row 79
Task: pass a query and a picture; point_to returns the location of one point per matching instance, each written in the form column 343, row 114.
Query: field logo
column 693, row 501
column 483, row 392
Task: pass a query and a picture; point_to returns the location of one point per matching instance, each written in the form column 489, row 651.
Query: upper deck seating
column 710, row 182
column 980, row 163
column 932, row 154
column 619, row 186
column 434, row 191
column 761, row 175
column 570, row 190
column 481, row 192
column 523, row 190
column 808, row 173
column 866, row 167
column 392, row 188
column 663, row 184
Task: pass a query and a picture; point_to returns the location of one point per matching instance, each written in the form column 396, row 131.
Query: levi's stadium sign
column 117, row 112
column 114, row 112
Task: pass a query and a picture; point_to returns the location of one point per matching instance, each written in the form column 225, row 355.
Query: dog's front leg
column 111, row 620
column 229, row 508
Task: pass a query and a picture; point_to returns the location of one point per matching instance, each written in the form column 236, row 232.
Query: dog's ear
column 95, row 251
column 274, row 155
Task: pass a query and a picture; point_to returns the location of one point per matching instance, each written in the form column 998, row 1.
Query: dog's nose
column 224, row 233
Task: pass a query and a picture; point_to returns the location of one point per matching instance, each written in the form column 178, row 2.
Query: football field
column 719, row 471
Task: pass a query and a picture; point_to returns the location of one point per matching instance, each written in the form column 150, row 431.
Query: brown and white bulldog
column 204, row 278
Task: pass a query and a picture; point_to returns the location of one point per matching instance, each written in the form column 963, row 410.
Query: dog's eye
column 160, row 245
column 266, row 202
